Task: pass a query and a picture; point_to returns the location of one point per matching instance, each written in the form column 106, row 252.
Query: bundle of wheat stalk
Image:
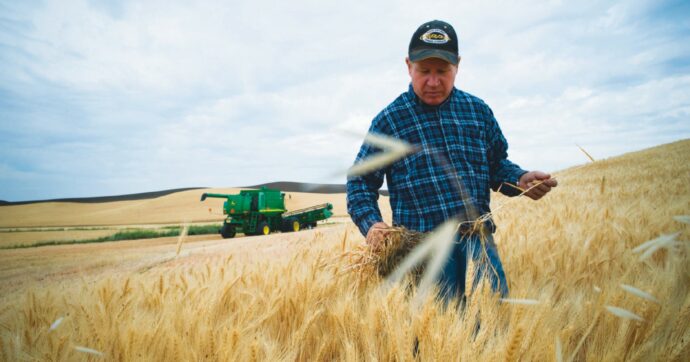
column 383, row 260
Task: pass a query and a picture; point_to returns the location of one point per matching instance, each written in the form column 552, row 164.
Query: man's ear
column 409, row 65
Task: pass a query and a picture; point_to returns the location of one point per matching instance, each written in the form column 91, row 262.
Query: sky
column 115, row 97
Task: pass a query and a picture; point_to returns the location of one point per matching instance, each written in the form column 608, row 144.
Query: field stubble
column 293, row 297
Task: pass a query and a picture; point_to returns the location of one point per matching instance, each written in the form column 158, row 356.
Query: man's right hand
column 528, row 180
column 377, row 234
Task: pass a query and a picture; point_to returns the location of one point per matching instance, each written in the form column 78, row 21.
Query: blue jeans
column 487, row 264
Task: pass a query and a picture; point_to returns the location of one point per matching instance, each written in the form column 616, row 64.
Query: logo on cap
column 435, row 36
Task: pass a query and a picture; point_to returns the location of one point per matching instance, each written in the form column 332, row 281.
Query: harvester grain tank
column 259, row 212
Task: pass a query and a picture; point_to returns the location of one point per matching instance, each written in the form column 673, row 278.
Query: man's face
column 432, row 79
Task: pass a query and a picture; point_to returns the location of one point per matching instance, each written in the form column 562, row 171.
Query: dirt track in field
column 33, row 267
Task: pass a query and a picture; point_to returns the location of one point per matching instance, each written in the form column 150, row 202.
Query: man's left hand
column 534, row 177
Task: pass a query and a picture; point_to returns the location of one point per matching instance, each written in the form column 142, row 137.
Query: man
column 461, row 154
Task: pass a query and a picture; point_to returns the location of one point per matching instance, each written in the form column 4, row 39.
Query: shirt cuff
column 516, row 176
column 366, row 223
column 513, row 178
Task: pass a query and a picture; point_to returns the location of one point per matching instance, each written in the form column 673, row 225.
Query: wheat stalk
column 394, row 149
column 685, row 219
column 559, row 350
column 512, row 350
column 520, row 301
column 441, row 241
column 639, row 293
column 586, row 153
column 623, row 313
column 181, row 238
column 88, row 350
column 56, row 324
column 650, row 247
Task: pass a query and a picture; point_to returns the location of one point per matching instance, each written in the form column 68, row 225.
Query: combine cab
column 259, row 212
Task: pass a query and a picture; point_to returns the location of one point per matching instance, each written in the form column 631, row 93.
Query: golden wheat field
column 585, row 286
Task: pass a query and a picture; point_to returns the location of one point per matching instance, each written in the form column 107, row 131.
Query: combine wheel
column 227, row 231
column 263, row 229
column 290, row 224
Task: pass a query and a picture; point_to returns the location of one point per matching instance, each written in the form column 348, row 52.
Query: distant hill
column 285, row 186
column 289, row 186
column 93, row 200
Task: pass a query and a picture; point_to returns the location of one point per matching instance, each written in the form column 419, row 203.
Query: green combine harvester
column 258, row 212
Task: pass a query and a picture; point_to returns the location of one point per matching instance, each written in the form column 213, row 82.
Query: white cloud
column 128, row 97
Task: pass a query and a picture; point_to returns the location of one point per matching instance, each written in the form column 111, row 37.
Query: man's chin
column 432, row 101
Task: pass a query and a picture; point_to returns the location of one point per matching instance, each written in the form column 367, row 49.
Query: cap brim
column 434, row 53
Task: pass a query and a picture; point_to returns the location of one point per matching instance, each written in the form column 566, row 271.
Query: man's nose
column 433, row 80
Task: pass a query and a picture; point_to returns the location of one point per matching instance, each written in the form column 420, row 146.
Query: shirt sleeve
column 363, row 191
column 501, row 170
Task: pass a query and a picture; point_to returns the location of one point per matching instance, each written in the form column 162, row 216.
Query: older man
column 462, row 154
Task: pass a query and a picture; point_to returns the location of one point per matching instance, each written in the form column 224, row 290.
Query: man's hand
column 532, row 178
column 376, row 235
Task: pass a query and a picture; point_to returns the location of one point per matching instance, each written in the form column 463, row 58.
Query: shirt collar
column 417, row 101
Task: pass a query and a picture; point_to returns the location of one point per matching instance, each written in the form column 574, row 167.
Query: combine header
column 258, row 212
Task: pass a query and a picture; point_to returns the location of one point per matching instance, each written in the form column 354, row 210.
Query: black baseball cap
column 434, row 39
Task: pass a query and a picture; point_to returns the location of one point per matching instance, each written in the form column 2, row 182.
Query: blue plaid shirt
column 461, row 152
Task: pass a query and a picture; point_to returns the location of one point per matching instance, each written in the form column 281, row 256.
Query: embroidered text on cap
column 435, row 36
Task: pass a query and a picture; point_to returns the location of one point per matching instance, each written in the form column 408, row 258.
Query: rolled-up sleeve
column 501, row 170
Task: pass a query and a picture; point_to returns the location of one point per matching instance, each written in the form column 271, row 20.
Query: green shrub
column 130, row 234
column 203, row 229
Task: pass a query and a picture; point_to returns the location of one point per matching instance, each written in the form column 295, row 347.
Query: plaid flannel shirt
column 461, row 152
